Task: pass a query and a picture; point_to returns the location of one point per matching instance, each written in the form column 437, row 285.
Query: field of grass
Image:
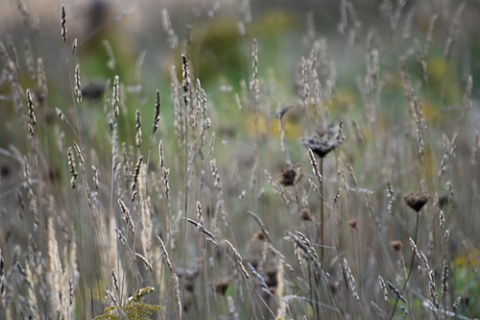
column 240, row 160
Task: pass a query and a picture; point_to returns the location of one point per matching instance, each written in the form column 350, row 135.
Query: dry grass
column 332, row 175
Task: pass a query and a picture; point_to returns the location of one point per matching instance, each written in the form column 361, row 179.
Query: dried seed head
column 74, row 46
column 156, row 118
column 42, row 91
column 29, row 59
column 445, row 276
column 255, row 85
column 115, row 281
column 396, row 245
column 63, row 22
column 288, row 176
column 78, row 84
column 396, row 292
column 116, row 97
column 390, row 197
column 417, row 201
column 138, row 128
column 73, row 167
column 120, row 236
column 167, row 27
column 305, row 215
column 31, row 108
column 337, row 196
column 353, row 223
column 186, row 79
column 322, row 143
column 442, row 219
column 259, row 236
column 136, row 174
column 383, row 286
column 220, row 286
column 127, row 218
column 111, row 63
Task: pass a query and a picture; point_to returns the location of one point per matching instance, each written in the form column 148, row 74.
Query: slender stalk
column 313, row 295
column 412, row 262
column 321, row 227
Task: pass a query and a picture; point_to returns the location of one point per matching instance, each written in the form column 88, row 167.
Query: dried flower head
column 353, row 223
column 290, row 176
column 416, row 201
column 321, row 143
column 287, row 177
column 396, row 245
column 305, row 214
column 220, row 286
column 259, row 236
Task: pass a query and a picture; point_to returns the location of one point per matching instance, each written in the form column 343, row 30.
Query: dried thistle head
column 290, row 176
column 259, row 236
column 305, row 214
column 396, row 245
column 353, row 223
column 321, row 143
column 220, row 286
column 416, row 201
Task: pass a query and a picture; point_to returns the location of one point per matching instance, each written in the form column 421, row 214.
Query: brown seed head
column 259, row 236
column 397, row 245
column 353, row 223
column 305, row 215
column 288, row 176
column 417, row 201
column 322, row 143
column 220, row 286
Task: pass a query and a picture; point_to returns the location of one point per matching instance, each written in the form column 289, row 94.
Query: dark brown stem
column 322, row 216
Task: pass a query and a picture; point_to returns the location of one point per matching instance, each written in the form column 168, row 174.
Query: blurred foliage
column 221, row 48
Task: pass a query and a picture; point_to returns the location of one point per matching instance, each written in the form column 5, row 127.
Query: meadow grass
column 275, row 164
